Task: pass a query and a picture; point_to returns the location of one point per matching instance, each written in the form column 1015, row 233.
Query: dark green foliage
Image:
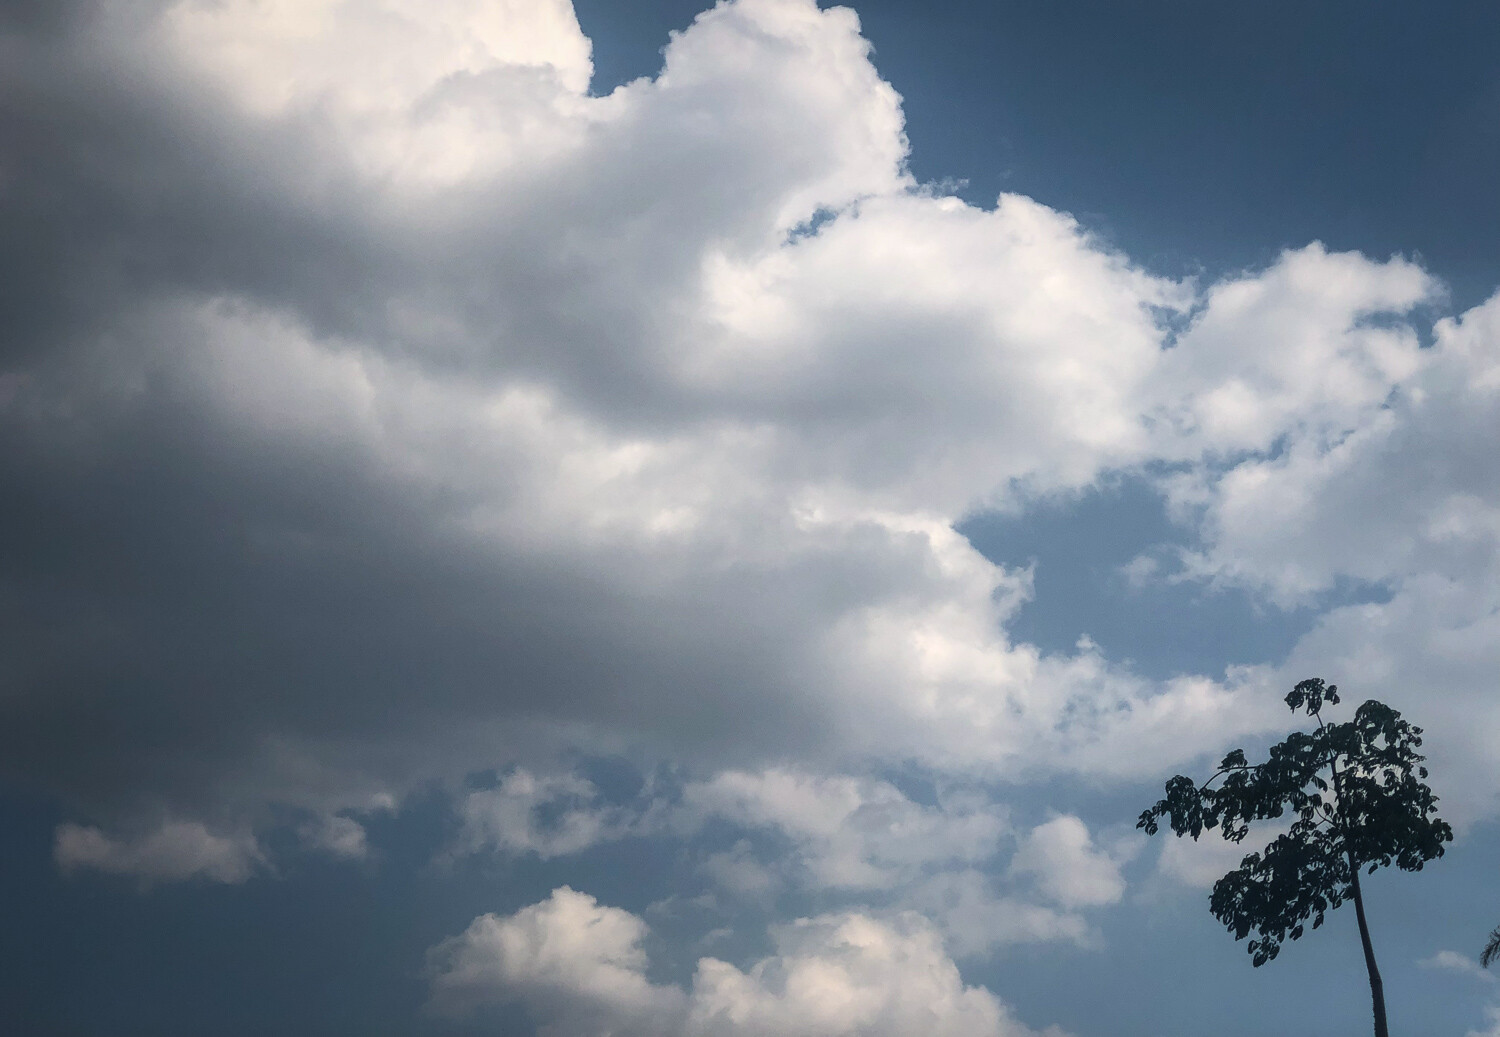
column 1357, row 798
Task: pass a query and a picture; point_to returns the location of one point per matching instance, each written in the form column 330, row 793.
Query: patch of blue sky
column 1089, row 582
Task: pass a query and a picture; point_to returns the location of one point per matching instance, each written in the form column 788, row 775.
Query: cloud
column 343, row 837
column 578, row 967
column 1492, row 1017
column 1305, row 351
column 974, row 917
column 546, row 816
column 1387, row 492
column 847, row 974
column 575, row 963
column 1061, row 858
column 740, row 871
column 1200, row 863
column 277, row 56
column 173, row 852
column 410, row 469
column 1404, row 500
column 1452, row 961
column 827, row 837
column 366, row 426
column 846, row 833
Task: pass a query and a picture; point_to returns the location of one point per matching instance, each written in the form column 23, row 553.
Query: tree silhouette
column 1492, row 949
column 1356, row 794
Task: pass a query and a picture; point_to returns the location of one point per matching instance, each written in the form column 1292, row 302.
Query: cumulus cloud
column 1396, row 491
column 576, row 964
column 1402, row 498
column 847, row 974
column 368, row 422
column 1305, row 350
column 831, row 838
column 579, row 968
column 585, row 451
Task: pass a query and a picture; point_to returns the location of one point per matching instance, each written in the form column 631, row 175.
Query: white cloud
column 754, row 497
column 279, row 53
column 823, row 835
column 847, row 833
column 580, row 970
column 847, row 974
column 1406, row 498
column 1452, row 961
column 1061, row 858
column 430, row 92
column 577, row 964
column 410, row 411
column 173, row 852
column 1304, row 350
column 568, row 439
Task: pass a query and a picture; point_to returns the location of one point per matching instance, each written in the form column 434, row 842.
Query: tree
column 1492, row 949
column 1357, row 798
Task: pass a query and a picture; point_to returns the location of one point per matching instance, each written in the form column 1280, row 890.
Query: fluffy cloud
column 586, row 453
column 847, row 974
column 1400, row 496
column 1304, row 351
column 579, row 968
column 575, row 963
column 829, row 838
column 846, row 833
column 1398, row 490
column 396, row 417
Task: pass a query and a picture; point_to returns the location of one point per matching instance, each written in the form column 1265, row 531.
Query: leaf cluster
column 1357, row 798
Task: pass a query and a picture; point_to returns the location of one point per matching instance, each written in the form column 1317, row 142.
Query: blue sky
column 514, row 531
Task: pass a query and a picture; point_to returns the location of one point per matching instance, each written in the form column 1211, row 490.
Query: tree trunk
column 1377, row 989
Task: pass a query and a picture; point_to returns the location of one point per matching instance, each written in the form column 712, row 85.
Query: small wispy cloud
column 1453, row 961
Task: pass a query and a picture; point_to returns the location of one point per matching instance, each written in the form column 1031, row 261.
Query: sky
column 539, row 519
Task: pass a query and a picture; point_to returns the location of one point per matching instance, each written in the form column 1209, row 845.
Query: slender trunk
column 1377, row 989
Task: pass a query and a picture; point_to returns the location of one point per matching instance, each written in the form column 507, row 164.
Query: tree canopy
column 1357, row 796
